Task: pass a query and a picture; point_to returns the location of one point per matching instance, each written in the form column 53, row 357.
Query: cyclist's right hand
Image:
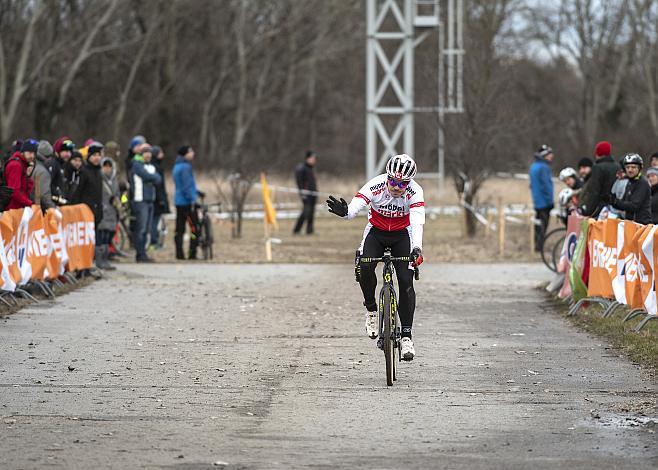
column 417, row 257
column 337, row 207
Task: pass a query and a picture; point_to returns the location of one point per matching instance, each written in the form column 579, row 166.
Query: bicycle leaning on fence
column 389, row 329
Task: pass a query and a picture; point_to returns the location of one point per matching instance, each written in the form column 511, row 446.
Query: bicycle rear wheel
column 389, row 340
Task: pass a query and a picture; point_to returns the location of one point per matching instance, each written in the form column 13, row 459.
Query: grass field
column 335, row 241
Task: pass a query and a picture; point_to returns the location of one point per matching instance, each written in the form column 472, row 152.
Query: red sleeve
column 13, row 176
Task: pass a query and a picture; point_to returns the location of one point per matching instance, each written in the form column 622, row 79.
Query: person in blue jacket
column 185, row 198
column 541, row 186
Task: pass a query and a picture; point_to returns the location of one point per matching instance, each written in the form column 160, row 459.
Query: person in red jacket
column 17, row 174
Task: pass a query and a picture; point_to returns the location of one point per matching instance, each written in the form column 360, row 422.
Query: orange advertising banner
column 34, row 246
column 602, row 243
column 629, row 268
column 79, row 236
column 37, row 250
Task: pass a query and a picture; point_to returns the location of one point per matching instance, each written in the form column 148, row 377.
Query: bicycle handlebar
column 405, row 259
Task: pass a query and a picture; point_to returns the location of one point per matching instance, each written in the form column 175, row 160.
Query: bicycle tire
column 120, row 238
column 557, row 250
column 389, row 349
column 548, row 244
column 206, row 234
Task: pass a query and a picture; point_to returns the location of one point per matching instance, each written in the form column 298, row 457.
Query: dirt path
column 183, row 366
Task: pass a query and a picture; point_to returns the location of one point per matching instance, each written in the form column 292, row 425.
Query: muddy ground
column 267, row 366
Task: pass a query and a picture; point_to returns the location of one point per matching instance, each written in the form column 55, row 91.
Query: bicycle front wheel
column 551, row 238
column 389, row 340
column 206, row 233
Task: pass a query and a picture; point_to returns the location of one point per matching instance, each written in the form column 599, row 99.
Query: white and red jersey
column 390, row 213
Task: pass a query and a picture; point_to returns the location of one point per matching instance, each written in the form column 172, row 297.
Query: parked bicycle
column 389, row 329
column 201, row 228
column 552, row 247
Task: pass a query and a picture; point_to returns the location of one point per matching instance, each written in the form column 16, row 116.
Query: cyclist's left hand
column 417, row 257
column 337, row 207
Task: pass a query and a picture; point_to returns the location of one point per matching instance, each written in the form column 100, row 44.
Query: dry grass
column 335, row 241
column 641, row 347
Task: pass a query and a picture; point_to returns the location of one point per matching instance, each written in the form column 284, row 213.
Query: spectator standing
column 41, row 176
column 90, row 192
column 652, row 176
column 72, row 175
column 653, row 160
column 161, row 205
column 636, row 202
column 541, row 186
column 111, row 197
column 144, row 178
column 185, row 198
column 17, row 174
column 63, row 148
column 306, row 181
column 585, row 168
column 598, row 186
column 134, row 148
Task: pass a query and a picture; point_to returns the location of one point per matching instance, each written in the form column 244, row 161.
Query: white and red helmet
column 401, row 167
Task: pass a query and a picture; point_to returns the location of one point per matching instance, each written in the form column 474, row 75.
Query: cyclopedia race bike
column 389, row 329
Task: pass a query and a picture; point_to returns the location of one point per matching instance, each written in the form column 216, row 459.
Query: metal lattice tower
column 400, row 26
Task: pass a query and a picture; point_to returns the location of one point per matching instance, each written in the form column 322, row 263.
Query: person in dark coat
column 63, row 148
column 585, row 168
column 652, row 177
column 161, row 204
column 541, row 187
column 636, row 202
column 307, row 184
column 90, row 192
column 111, row 196
column 71, row 176
column 598, row 186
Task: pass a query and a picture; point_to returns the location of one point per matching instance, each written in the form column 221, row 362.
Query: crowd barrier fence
column 37, row 247
column 611, row 262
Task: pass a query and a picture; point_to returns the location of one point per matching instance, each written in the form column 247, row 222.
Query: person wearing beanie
column 306, row 182
column 161, row 204
column 90, row 192
column 652, row 177
column 63, row 148
column 72, row 174
column 653, row 160
column 111, row 198
column 41, row 176
column 134, row 148
column 541, row 187
column 585, row 168
column 17, row 174
column 599, row 184
column 143, row 181
column 185, row 198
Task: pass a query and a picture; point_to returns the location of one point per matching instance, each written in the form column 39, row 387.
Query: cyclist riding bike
column 396, row 214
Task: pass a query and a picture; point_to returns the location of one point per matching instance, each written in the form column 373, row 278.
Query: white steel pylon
column 392, row 27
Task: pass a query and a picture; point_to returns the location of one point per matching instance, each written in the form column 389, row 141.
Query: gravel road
column 267, row 366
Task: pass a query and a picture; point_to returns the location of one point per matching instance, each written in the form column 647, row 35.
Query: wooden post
column 490, row 221
column 501, row 228
column 531, row 220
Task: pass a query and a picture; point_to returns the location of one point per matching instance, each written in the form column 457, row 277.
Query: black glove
column 417, row 257
column 201, row 194
column 337, row 207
